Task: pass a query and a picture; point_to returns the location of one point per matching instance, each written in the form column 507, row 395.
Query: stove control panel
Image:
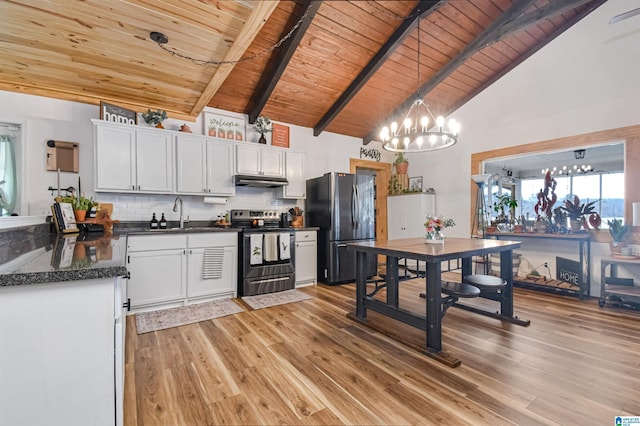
column 254, row 214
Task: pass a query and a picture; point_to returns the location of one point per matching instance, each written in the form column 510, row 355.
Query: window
column 607, row 187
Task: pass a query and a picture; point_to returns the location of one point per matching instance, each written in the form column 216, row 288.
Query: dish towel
column 256, row 248
column 285, row 250
column 270, row 247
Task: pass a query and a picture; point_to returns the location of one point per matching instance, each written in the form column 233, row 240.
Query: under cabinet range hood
column 260, row 181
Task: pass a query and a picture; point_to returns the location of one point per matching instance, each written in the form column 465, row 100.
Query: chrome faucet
column 175, row 209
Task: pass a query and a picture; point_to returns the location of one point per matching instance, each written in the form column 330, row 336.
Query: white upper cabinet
column 220, row 159
column 132, row 160
column 294, row 172
column 259, row 160
column 154, row 161
column 191, row 164
column 204, row 166
column 115, row 158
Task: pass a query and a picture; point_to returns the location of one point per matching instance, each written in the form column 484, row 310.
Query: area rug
column 174, row 317
column 273, row 299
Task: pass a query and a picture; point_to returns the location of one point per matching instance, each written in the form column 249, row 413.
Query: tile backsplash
column 133, row 207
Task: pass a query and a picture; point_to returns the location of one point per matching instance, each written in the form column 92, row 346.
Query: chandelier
column 568, row 170
column 415, row 133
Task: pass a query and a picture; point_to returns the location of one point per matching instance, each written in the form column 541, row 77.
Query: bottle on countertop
column 163, row 222
column 154, row 222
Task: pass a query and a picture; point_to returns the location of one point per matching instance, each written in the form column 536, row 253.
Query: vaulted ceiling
column 346, row 67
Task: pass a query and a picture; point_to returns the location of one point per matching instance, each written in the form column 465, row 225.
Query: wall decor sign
column 223, row 127
column 370, row 153
column 568, row 271
column 280, row 136
column 116, row 114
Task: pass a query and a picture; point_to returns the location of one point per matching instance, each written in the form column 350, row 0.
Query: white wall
column 584, row 81
column 44, row 118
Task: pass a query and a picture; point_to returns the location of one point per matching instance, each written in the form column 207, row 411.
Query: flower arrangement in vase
column 434, row 226
column 261, row 126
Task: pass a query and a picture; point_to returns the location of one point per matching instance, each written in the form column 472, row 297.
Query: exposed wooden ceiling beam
column 255, row 22
column 478, row 43
column 268, row 81
column 593, row 6
column 532, row 18
column 397, row 38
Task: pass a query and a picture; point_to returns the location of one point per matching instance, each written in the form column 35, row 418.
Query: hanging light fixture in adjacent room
column 420, row 129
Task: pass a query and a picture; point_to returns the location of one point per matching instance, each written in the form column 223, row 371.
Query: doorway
column 382, row 173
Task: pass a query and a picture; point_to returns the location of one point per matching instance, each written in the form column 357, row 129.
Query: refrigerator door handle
column 357, row 207
column 353, row 206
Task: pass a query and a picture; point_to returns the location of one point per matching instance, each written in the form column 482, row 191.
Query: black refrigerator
column 342, row 205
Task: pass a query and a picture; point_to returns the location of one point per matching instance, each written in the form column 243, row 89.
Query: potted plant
column 155, row 117
column 618, row 232
column 261, row 126
column 577, row 212
column 80, row 205
column 504, row 202
column 402, row 165
column 519, row 225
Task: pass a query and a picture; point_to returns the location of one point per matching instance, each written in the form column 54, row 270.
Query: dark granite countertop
column 30, row 256
column 35, row 255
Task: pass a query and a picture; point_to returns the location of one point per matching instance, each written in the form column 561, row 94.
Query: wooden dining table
column 433, row 256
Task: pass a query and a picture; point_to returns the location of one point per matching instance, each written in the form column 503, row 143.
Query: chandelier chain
column 197, row 61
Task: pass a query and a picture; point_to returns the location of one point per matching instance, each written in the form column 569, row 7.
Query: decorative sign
column 280, row 136
column 568, row 271
column 223, row 127
column 116, row 114
column 370, row 153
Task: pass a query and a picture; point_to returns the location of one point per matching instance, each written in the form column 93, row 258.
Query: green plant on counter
column 617, row 230
column 78, row 203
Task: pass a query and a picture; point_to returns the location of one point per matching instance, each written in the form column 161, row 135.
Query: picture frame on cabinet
column 224, row 127
column 280, row 135
column 415, row 184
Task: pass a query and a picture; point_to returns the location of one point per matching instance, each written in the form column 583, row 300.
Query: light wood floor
column 306, row 363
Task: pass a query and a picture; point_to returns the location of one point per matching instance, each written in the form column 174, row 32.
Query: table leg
column 434, row 305
column 506, row 272
column 361, row 284
column 467, row 266
column 392, row 281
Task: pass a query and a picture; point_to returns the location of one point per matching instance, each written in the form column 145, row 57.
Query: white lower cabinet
column 212, row 265
column 60, row 355
column 175, row 270
column 407, row 214
column 306, row 257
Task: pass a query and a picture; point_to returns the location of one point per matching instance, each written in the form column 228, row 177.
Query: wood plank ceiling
column 347, row 68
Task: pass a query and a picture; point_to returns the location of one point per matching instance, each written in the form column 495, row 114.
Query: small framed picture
column 415, row 184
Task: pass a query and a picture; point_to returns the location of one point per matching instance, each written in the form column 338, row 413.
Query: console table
column 584, row 244
column 614, row 289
